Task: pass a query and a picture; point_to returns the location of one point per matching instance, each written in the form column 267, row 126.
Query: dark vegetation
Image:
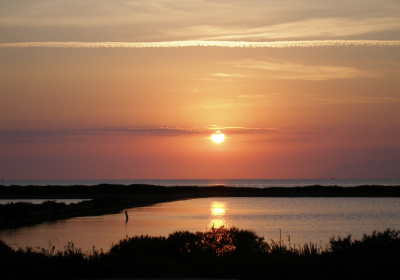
column 216, row 253
column 107, row 199
column 78, row 191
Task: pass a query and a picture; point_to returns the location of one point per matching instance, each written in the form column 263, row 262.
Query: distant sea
column 254, row 183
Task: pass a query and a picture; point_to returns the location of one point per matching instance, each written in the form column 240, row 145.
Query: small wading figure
column 126, row 214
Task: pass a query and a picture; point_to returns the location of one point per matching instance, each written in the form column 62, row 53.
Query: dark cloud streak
column 31, row 136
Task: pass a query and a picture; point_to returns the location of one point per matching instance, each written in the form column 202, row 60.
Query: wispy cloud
column 359, row 99
column 310, row 28
column 251, row 96
column 15, row 136
column 225, row 44
column 305, row 72
column 225, row 75
column 43, row 136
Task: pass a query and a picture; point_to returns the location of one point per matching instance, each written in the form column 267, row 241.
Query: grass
column 216, row 253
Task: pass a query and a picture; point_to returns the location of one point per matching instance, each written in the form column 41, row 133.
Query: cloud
column 225, row 44
column 270, row 130
column 237, row 20
column 22, row 136
column 359, row 99
column 293, row 71
column 44, row 136
column 224, row 75
column 251, row 96
column 310, row 28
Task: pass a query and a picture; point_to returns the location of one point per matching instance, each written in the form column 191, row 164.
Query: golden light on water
column 218, row 137
column 217, row 223
column 218, row 210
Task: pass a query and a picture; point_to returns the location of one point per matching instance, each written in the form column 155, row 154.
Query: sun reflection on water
column 217, row 223
column 218, row 210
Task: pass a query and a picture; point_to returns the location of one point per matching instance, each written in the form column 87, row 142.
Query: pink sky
column 288, row 110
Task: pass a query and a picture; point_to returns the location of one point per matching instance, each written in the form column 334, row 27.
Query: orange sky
column 76, row 112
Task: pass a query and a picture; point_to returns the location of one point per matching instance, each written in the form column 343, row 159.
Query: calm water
column 303, row 219
column 256, row 183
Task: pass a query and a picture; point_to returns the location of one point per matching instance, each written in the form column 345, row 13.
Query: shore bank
column 108, row 199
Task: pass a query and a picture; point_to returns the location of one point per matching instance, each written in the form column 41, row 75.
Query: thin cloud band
column 226, row 44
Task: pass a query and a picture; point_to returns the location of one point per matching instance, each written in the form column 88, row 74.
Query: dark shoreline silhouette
column 107, row 199
column 81, row 191
column 216, row 253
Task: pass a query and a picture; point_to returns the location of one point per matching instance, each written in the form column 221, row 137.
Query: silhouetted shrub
column 247, row 242
column 216, row 253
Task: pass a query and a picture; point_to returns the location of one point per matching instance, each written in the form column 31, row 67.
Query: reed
column 215, row 253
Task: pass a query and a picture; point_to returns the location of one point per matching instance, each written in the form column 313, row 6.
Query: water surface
column 303, row 219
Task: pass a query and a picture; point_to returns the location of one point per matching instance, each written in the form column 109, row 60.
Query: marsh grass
column 216, row 253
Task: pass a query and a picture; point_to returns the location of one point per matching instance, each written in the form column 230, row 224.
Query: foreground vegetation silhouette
column 216, row 253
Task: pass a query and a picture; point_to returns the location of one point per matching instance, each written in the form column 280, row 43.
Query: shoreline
column 109, row 199
column 101, row 190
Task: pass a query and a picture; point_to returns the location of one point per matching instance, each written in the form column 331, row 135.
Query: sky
column 121, row 89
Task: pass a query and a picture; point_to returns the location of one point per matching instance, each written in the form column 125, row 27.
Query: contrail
column 225, row 44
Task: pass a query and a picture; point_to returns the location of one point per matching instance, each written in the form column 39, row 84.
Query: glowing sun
column 218, row 137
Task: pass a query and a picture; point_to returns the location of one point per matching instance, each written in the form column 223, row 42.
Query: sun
column 218, row 137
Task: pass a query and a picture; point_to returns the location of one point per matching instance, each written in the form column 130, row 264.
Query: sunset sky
column 122, row 89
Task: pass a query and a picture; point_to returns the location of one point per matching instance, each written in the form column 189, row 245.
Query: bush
column 216, row 253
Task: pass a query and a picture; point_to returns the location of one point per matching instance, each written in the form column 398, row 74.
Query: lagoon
column 300, row 220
